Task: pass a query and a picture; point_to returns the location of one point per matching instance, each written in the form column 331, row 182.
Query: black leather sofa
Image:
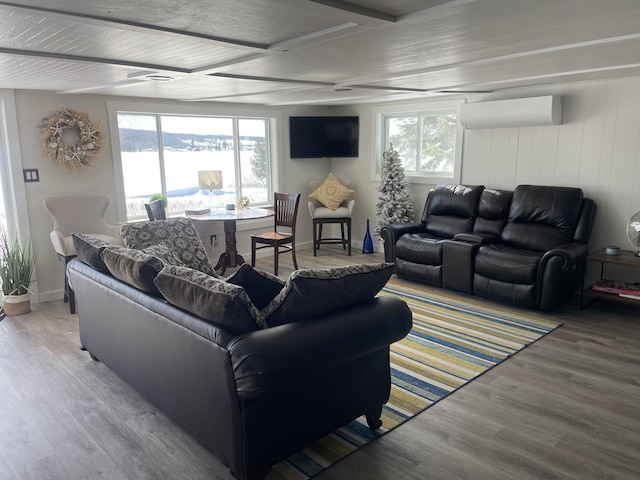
column 252, row 398
column 525, row 247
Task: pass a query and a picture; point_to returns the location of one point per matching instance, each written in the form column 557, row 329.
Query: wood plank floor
column 567, row 407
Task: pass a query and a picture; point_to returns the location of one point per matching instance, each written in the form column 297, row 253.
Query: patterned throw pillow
column 164, row 253
column 212, row 299
column 178, row 234
column 89, row 250
column 134, row 267
column 331, row 193
column 308, row 293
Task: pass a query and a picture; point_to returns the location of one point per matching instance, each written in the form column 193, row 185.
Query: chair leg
column 315, row 227
column 72, row 300
column 69, row 294
column 349, row 237
column 253, row 252
column 319, row 236
column 276, row 254
column 344, row 241
column 293, row 254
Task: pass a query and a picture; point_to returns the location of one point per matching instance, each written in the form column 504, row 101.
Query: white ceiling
column 325, row 52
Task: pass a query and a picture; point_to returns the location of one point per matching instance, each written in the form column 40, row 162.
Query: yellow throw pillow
column 331, row 193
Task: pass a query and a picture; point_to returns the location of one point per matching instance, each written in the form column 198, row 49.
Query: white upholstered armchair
column 78, row 214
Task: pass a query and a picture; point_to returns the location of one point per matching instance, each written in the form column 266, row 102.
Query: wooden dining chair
column 155, row 210
column 286, row 208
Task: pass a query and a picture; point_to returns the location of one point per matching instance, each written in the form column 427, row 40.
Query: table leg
column 230, row 258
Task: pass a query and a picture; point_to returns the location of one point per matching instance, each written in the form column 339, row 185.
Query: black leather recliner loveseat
column 525, row 247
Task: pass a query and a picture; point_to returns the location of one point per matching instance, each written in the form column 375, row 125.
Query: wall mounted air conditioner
column 517, row 112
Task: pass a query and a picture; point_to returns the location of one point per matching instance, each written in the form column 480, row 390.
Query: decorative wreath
column 71, row 157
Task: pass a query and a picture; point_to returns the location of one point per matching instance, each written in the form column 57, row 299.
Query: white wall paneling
column 596, row 148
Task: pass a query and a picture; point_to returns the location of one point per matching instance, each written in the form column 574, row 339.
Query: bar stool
column 322, row 215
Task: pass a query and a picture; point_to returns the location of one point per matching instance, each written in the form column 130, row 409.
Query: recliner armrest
column 392, row 232
column 560, row 273
column 570, row 253
column 476, row 238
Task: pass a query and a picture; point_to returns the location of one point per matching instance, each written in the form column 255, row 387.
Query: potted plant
column 159, row 196
column 17, row 265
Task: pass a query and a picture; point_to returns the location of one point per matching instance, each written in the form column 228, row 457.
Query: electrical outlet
column 214, row 240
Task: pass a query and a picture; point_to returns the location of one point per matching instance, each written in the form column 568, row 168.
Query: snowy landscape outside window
column 163, row 154
column 427, row 137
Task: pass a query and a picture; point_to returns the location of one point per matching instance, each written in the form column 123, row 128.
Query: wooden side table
column 627, row 258
column 230, row 257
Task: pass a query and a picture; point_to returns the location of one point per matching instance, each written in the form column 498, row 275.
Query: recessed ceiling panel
column 257, row 21
column 305, row 51
column 606, row 57
column 53, row 34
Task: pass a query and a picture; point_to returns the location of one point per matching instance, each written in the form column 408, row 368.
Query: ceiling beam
column 350, row 7
column 314, row 37
column 81, row 58
column 341, row 10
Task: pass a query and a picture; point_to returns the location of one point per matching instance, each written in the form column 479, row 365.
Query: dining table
column 230, row 258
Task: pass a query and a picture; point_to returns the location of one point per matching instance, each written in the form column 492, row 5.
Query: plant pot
column 17, row 304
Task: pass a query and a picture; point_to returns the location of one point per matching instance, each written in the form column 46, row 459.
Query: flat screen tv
column 321, row 137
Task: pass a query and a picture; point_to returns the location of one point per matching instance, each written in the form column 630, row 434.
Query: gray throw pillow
column 134, row 267
column 212, row 299
column 308, row 293
column 89, row 250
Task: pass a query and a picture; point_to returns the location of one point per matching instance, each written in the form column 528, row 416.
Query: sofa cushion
column 221, row 303
column 542, row 217
column 419, row 248
column 89, row 250
column 134, row 267
column 261, row 286
column 456, row 200
column 522, row 295
column 452, row 209
column 493, row 211
column 308, row 293
column 178, row 234
column 508, row 264
column 331, row 193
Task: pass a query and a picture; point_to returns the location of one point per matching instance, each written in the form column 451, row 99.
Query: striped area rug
column 453, row 341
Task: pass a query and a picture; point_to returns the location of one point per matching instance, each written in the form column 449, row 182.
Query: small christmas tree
column 393, row 204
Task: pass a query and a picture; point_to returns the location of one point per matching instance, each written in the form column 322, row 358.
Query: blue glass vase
column 367, row 245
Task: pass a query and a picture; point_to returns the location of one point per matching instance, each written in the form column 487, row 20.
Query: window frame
column 426, row 108
column 134, row 108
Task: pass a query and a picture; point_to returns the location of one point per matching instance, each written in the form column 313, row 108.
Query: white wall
column 596, row 148
column 32, row 107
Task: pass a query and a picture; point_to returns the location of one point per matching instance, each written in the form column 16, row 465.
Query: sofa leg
column 373, row 418
column 93, row 357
